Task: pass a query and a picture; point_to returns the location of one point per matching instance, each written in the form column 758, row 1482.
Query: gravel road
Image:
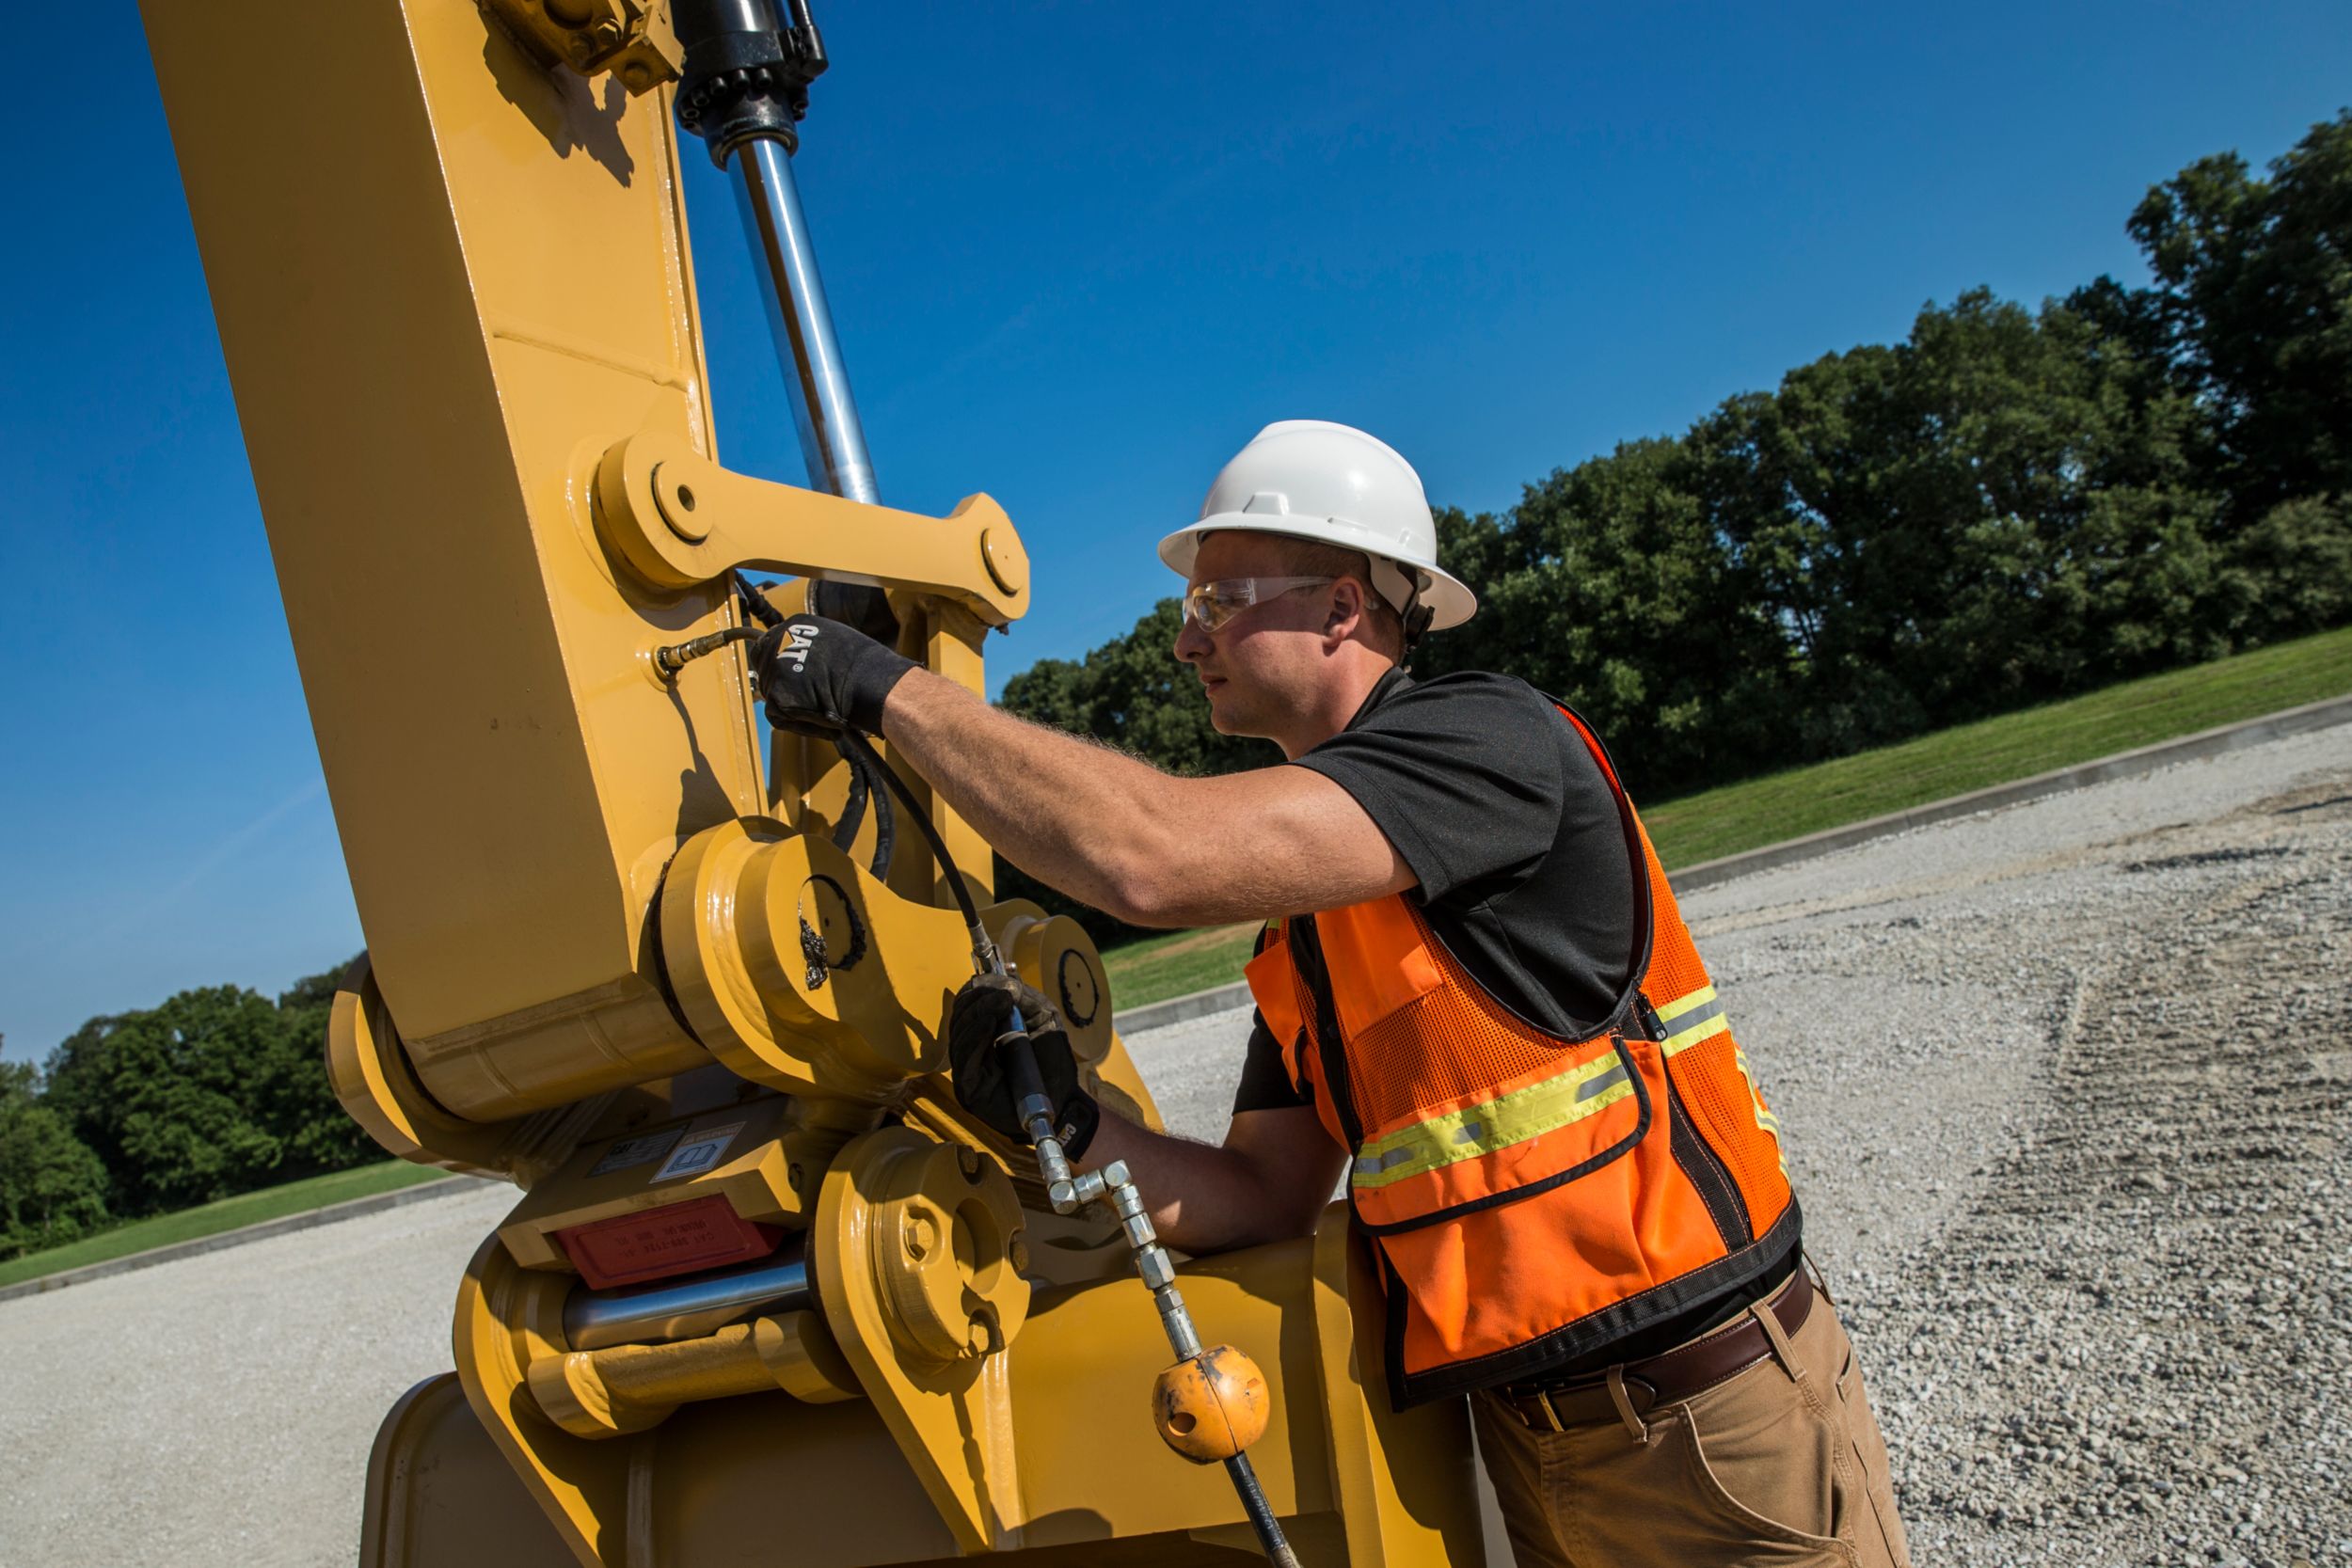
column 2066, row 1091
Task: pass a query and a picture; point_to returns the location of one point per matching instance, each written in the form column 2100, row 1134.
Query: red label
column 655, row 1244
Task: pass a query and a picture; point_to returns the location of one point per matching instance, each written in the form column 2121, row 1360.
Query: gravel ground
column 2066, row 1090
column 217, row 1411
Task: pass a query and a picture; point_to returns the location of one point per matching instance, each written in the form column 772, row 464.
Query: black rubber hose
column 854, row 809
column 756, row 604
column 862, row 748
column 854, row 815
column 885, row 828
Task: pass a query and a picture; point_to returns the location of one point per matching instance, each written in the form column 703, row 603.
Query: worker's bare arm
column 1274, row 1174
column 1144, row 845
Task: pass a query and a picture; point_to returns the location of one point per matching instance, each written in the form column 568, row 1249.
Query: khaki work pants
column 1779, row 1464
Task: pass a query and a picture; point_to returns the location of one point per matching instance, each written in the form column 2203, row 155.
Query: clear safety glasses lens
column 1211, row 605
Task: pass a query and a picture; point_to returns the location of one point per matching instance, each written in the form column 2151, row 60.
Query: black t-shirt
column 1512, row 830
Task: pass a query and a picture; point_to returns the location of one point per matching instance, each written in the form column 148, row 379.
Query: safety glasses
column 1211, row 605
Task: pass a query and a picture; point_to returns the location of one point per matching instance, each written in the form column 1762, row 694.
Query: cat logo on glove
column 803, row 638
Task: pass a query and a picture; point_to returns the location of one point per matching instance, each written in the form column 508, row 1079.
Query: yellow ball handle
column 1212, row 1406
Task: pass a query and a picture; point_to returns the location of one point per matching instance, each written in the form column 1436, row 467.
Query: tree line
column 217, row 1091
column 2008, row 506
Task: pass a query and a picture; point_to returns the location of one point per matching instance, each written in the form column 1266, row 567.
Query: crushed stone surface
column 217, row 1410
column 2065, row 1091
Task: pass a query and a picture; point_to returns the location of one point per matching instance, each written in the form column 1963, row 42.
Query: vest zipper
column 1307, row 955
column 1700, row 1163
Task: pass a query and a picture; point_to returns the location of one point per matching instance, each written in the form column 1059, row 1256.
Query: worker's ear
column 1346, row 613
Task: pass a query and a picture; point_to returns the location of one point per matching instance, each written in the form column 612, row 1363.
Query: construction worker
column 1476, row 999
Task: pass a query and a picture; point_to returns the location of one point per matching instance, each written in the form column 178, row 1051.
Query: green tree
column 166, row 1096
column 217, row 1091
column 294, row 1097
column 2002, row 508
column 52, row 1188
column 2290, row 572
column 1609, row 588
column 2252, row 302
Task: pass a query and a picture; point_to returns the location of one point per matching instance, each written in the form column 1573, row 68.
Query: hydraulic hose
column 862, row 787
column 1067, row 1190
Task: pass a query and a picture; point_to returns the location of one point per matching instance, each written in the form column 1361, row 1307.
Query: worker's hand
column 819, row 676
column 983, row 1074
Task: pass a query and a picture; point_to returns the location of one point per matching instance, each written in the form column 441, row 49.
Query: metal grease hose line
column 1067, row 1190
column 756, row 608
column 678, row 655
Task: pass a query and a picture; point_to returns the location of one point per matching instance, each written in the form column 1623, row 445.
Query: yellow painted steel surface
column 454, row 292
column 762, row 1479
column 447, row 280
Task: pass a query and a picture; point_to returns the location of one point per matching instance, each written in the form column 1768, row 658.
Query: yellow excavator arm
column 767, row 1295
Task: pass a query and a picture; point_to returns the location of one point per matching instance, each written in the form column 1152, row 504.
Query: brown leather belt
column 1669, row 1377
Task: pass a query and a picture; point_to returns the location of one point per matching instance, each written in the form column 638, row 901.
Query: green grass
column 209, row 1219
column 1783, row 806
column 1158, row 968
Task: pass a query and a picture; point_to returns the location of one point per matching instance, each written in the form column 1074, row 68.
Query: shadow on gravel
column 2207, row 857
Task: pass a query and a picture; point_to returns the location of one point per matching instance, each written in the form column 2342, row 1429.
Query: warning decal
column 699, row 1152
column 636, row 1151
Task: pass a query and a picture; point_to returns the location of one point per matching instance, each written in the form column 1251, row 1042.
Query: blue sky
column 1077, row 254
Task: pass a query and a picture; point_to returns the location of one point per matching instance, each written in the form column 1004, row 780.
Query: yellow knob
column 1211, row 1407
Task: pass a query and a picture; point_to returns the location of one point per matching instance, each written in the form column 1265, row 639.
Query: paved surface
column 2067, row 1091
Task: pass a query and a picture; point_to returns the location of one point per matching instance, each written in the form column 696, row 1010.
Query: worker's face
column 1267, row 664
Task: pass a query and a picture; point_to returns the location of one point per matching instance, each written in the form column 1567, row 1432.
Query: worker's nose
column 1192, row 643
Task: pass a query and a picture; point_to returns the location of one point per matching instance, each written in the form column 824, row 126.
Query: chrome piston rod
column 689, row 1309
column 833, row 442
column 743, row 89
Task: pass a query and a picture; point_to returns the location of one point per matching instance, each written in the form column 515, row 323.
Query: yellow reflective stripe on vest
column 1493, row 1124
column 1764, row 1119
column 1692, row 1019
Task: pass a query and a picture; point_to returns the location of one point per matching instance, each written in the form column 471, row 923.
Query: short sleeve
column 1266, row 1083
column 1462, row 773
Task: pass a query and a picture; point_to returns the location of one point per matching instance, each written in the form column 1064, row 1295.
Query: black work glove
column 819, row 676
column 983, row 1071
column 854, row 604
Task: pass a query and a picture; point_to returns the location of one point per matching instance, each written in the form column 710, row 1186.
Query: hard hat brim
column 1450, row 601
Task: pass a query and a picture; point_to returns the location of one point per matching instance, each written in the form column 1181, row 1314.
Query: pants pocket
column 1882, row 1535
column 1771, row 1466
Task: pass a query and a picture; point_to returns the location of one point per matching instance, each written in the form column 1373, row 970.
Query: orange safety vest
column 1529, row 1197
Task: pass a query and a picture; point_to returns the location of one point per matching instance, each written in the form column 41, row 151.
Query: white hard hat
column 1332, row 483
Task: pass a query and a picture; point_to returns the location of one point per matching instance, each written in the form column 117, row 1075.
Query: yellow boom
column 614, row 954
